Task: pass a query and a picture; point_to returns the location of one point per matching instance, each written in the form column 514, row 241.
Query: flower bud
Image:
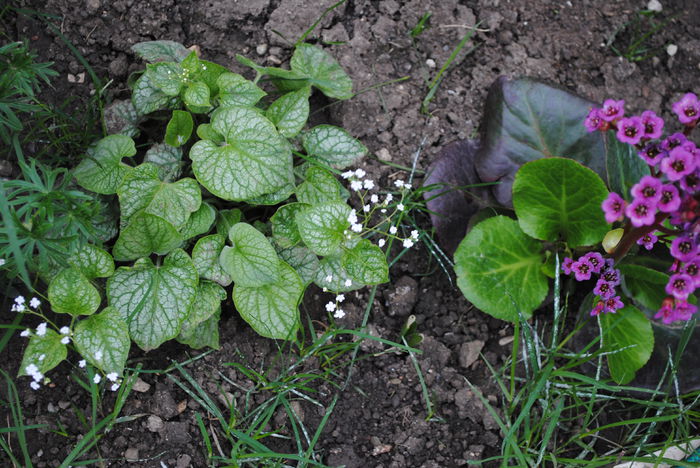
column 611, row 239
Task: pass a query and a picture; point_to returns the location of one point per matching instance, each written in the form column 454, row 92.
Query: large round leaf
column 559, row 199
column 323, row 227
column 92, row 261
column 366, row 263
column 70, row 292
column 290, row 112
column 103, row 339
column 499, row 269
column 45, row 352
column 252, row 261
column 102, row 169
column 322, row 71
column 146, row 234
column 272, row 309
column 254, row 161
column 154, row 300
column 629, row 340
column 333, row 145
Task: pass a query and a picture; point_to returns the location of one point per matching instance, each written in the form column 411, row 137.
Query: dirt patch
column 381, row 418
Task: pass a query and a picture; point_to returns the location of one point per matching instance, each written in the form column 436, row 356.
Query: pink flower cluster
column 608, row 278
column 670, row 193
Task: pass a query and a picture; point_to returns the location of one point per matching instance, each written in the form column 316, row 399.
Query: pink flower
column 630, row 130
column 641, row 212
column 648, row 188
column 612, row 110
column 688, row 108
column 614, row 208
column 680, row 286
column 679, row 163
column 653, row 124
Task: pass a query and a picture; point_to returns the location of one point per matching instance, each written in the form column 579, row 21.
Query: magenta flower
column 614, row 207
column 612, row 276
column 593, row 121
column 666, row 311
column 612, row 304
column 598, row 308
column 596, row 260
column 641, row 212
column 691, row 182
column 683, row 248
column 648, row 188
column 582, row 269
column 566, row 265
column 604, row 289
column 653, row 124
column 673, row 141
column 652, row 154
column 679, row 163
column 684, row 310
column 648, row 241
column 692, row 269
column 612, row 110
column 687, row 109
column 670, row 199
column 680, row 286
column 630, row 130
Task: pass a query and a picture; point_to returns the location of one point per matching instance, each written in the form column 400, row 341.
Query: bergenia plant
column 234, row 198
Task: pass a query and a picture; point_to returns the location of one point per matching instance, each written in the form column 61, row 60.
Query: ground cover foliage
column 260, row 402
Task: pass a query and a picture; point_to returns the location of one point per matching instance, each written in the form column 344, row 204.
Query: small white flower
column 369, row 184
column 42, row 357
column 383, row 210
column 340, row 297
column 35, row 385
column 356, row 227
column 325, row 289
column 204, row 67
column 352, row 217
column 330, row 307
column 356, row 185
column 374, row 198
column 34, row 303
column 41, row 329
column 366, row 208
column 329, row 278
column 347, row 174
column 37, row 376
column 399, row 183
column 359, row 173
column 31, row 369
column 97, row 378
column 348, row 282
column 25, row 333
column 2, row 261
column 381, row 243
column 65, row 340
column 112, row 376
column 400, row 207
column 392, row 230
column 98, row 355
column 64, row 331
column 407, row 186
column 408, row 243
column 82, row 363
column 340, row 313
column 19, row 300
column 18, row 308
column 349, row 236
column 388, row 198
column 114, row 387
column 414, row 235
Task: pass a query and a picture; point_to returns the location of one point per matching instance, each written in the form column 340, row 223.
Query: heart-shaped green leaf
column 284, row 224
column 322, row 71
column 199, row 222
column 203, row 334
column 45, row 352
column 167, row 158
column 121, row 117
column 197, row 97
column 290, row 112
column 148, row 98
column 319, row 186
column 92, row 261
column 146, row 234
column 103, row 340
column 333, row 276
column 167, row 77
column 142, row 190
column 629, row 340
column 70, row 292
column 205, row 256
column 499, row 269
column 102, row 169
column 252, row 261
column 234, row 90
column 179, row 129
column 154, row 300
column 255, row 160
column 366, row 263
column 559, row 199
column 333, row 145
column 271, row 309
column 304, row 261
column 323, row 227
column 160, row 51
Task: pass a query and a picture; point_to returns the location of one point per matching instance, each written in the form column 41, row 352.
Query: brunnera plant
column 236, row 191
column 562, row 179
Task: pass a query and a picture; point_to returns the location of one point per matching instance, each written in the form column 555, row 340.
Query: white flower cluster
column 97, row 378
column 334, row 306
column 20, row 306
column 33, row 371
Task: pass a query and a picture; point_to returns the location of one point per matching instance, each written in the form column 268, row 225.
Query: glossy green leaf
column 70, row 292
column 366, row 264
column 319, row 186
column 179, row 128
column 205, row 256
column 323, row 227
column 251, row 261
column 160, row 51
column 207, row 132
column 304, row 261
column 254, row 161
column 209, row 73
column 197, row 96
column 623, row 165
column 290, row 112
column 284, row 224
column 272, row 309
column 147, row 98
column 103, row 340
column 142, row 190
column 332, row 275
column 167, row 77
column 322, row 71
column 167, row 158
column 644, row 285
column 102, row 170
column 333, row 145
column 499, row 269
column 559, row 199
column 92, row 261
column 146, row 234
column 226, row 219
column 206, row 302
column 199, row 222
column 276, row 197
column 628, row 337
column 234, row 90
column 45, row 352
column 154, row 300
column 203, row 334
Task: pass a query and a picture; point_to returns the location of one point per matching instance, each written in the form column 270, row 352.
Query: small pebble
column 131, row 454
column 671, row 49
column 154, row 423
column 384, row 155
column 430, row 63
column 654, row 5
column 141, row 386
column 261, row 49
column 506, row 340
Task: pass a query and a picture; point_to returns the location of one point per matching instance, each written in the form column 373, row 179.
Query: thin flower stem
column 633, row 235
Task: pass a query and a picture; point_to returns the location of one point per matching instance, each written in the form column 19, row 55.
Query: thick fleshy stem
column 632, row 236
